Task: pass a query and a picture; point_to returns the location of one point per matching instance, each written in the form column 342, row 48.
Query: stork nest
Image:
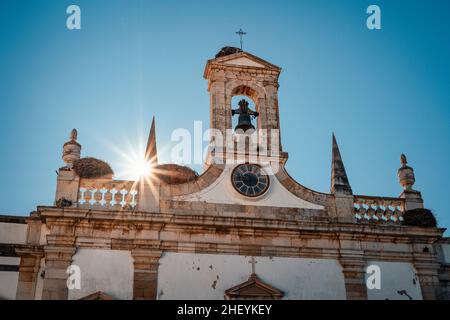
column 174, row 174
column 225, row 51
column 91, row 168
column 419, row 218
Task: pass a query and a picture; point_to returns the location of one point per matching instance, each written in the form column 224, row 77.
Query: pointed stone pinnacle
column 339, row 180
column 151, row 153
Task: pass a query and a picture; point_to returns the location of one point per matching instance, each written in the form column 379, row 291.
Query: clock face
column 250, row 180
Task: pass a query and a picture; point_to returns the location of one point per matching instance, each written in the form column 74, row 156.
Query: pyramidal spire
column 339, row 180
column 151, row 153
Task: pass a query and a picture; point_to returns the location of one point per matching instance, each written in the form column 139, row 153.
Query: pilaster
column 145, row 279
column 149, row 194
column 57, row 260
column 413, row 199
column 344, row 207
column 428, row 274
column 353, row 268
column 67, row 186
column 34, row 229
column 30, row 260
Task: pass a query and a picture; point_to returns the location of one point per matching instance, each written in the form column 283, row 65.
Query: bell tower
column 234, row 72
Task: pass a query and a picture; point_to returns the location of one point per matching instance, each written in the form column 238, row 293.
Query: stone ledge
column 70, row 217
column 13, row 219
column 8, row 250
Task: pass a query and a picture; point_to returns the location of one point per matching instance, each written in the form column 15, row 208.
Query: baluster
column 82, row 200
column 386, row 210
column 133, row 198
column 400, row 213
column 355, row 209
column 370, row 212
column 361, row 212
column 93, row 201
column 396, row 214
column 123, row 192
column 113, row 198
column 388, row 213
column 378, row 213
column 103, row 191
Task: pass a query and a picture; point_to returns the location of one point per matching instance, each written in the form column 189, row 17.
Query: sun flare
column 137, row 168
column 140, row 168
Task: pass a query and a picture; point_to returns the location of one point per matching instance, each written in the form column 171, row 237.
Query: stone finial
column 73, row 135
column 339, row 179
column 71, row 149
column 403, row 160
column 405, row 174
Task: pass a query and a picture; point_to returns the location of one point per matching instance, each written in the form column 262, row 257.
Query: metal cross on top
column 241, row 34
column 253, row 262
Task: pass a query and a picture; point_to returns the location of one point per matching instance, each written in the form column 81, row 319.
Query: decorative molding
column 8, row 250
column 13, row 219
column 9, row 268
column 253, row 289
column 99, row 295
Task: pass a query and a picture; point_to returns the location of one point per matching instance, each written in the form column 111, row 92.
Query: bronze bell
column 245, row 114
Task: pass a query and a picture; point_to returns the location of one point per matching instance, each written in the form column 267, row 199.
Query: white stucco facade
column 207, row 276
column 13, row 233
column 10, row 234
column 109, row 271
column 8, row 286
column 222, row 191
column 8, row 279
column 445, row 252
column 398, row 281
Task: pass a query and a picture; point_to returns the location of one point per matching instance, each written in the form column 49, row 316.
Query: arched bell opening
column 244, row 108
column 239, row 121
column 244, row 120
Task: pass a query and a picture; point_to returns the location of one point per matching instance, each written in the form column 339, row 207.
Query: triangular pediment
column 246, row 59
column 246, row 62
column 255, row 289
column 242, row 59
column 99, row 295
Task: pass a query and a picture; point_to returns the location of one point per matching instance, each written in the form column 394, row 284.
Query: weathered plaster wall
column 13, row 233
column 395, row 277
column 446, row 252
column 8, row 287
column 207, row 276
column 8, row 279
column 109, row 271
column 10, row 233
column 222, row 191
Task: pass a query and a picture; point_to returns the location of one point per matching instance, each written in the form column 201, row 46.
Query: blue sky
column 382, row 92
